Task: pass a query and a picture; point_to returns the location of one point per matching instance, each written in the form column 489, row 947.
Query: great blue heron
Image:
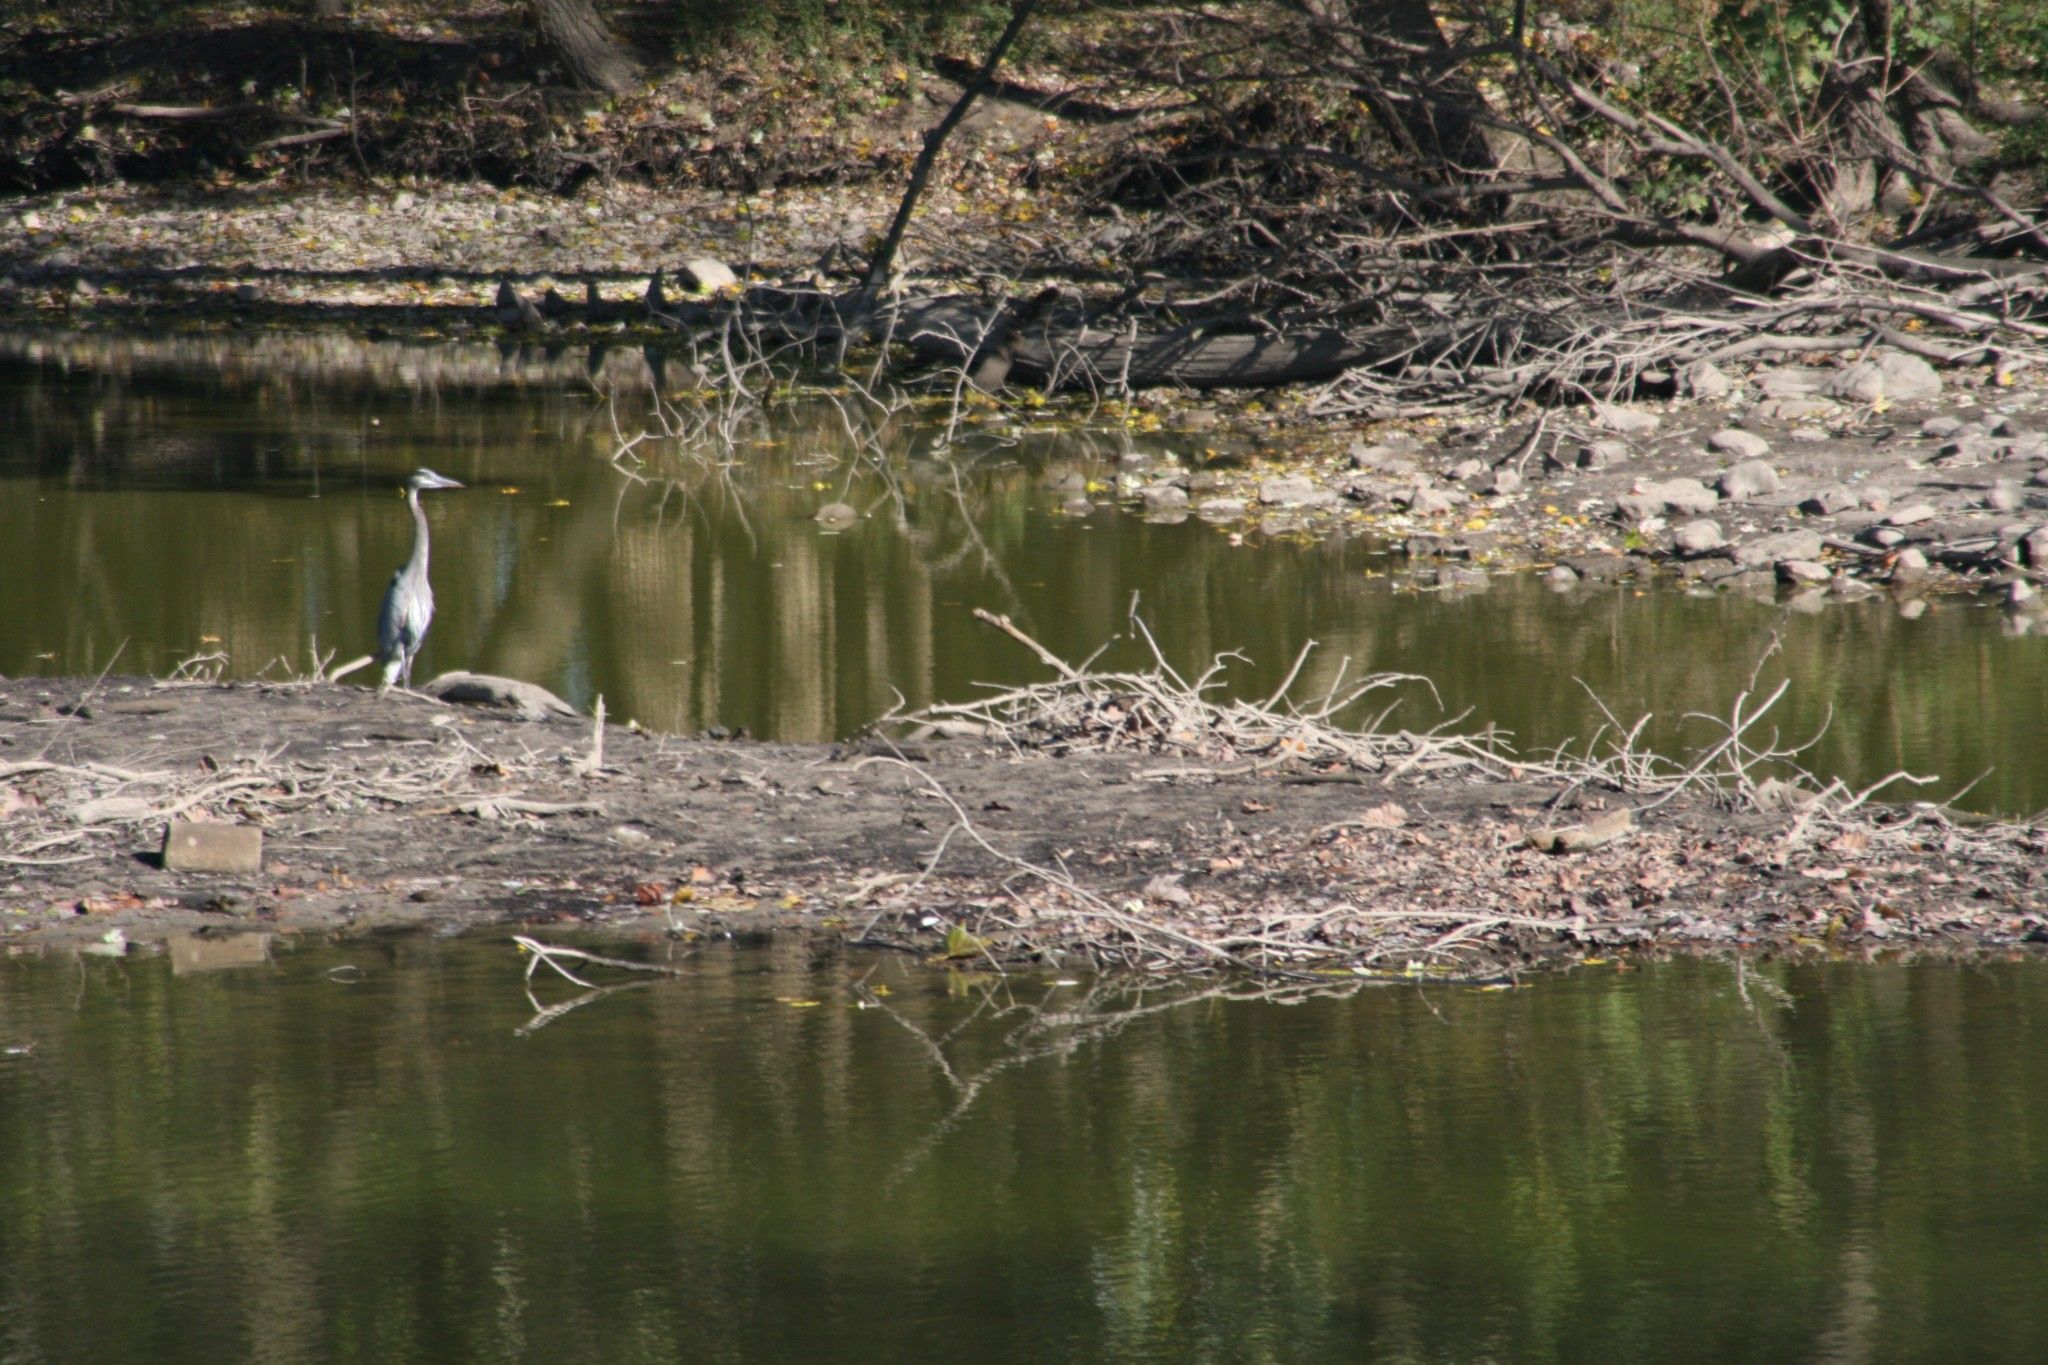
column 409, row 602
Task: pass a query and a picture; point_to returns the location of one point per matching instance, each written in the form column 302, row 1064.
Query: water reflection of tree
column 1592, row 1169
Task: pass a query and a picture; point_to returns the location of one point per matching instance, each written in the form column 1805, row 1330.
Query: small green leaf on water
column 960, row 943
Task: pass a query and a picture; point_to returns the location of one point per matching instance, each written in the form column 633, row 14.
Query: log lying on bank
column 1058, row 352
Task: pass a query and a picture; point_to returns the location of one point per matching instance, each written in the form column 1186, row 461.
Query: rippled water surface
column 249, row 1151
column 229, row 502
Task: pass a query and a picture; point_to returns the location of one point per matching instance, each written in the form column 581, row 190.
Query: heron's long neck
column 418, row 562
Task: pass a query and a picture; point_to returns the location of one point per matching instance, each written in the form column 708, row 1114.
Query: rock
column 1911, row 514
column 1163, row 497
column 1583, row 838
column 1631, row 420
column 1424, row 501
column 1597, row 568
column 205, row 846
column 1812, row 436
column 1077, row 506
column 2019, row 592
column 1600, row 454
column 1681, row 497
column 1379, row 457
column 1460, row 576
column 1894, row 375
column 1909, row 565
column 1830, row 500
column 1967, row 450
column 2033, row 548
column 705, row 275
column 1877, row 499
column 1465, row 469
column 836, row 515
column 1221, row 509
column 2004, row 496
column 1749, row 479
column 1790, row 381
column 1772, row 548
column 1794, row 409
column 403, row 200
column 1742, row 445
column 1802, row 571
column 1698, row 537
column 1703, row 379
column 1291, row 490
column 1912, row 609
column 1503, row 482
column 1940, row 428
column 1561, row 576
column 2039, row 478
column 1883, row 537
column 530, row 700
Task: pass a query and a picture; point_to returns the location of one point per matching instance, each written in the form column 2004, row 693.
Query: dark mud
column 401, row 812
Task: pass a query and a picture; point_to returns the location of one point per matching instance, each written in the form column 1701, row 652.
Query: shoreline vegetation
column 1126, row 821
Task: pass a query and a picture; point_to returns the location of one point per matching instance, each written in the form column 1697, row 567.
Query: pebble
column 1633, row 420
column 1895, row 376
column 1883, row 537
column 1830, row 500
column 1749, row 479
column 1698, row 537
column 1940, row 428
column 1163, row 497
column 1600, row 454
column 704, row 275
column 1810, row 435
column 2003, row 496
column 1424, row 501
column 1703, row 379
column 836, row 514
column 1802, row 571
column 1912, row 514
column 1783, row 545
column 1681, row 497
column 1909, row 564
column 1561, row 576
column 1743, row 445
column 1793, row 409
column 1291, row 490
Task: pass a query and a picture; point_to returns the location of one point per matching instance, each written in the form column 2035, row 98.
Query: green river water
column 354, row 1154
column 232, row 504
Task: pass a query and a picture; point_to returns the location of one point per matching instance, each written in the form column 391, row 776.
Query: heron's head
column 424, row 479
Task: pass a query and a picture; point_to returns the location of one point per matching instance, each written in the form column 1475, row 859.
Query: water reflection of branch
column 543, row 1015
column 1098, row 1017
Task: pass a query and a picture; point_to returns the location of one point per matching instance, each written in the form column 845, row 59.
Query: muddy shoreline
column 406, row 813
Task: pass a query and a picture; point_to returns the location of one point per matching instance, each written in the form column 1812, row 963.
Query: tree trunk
column 575, row 34
column 1891, row 120
column 1408, row 75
